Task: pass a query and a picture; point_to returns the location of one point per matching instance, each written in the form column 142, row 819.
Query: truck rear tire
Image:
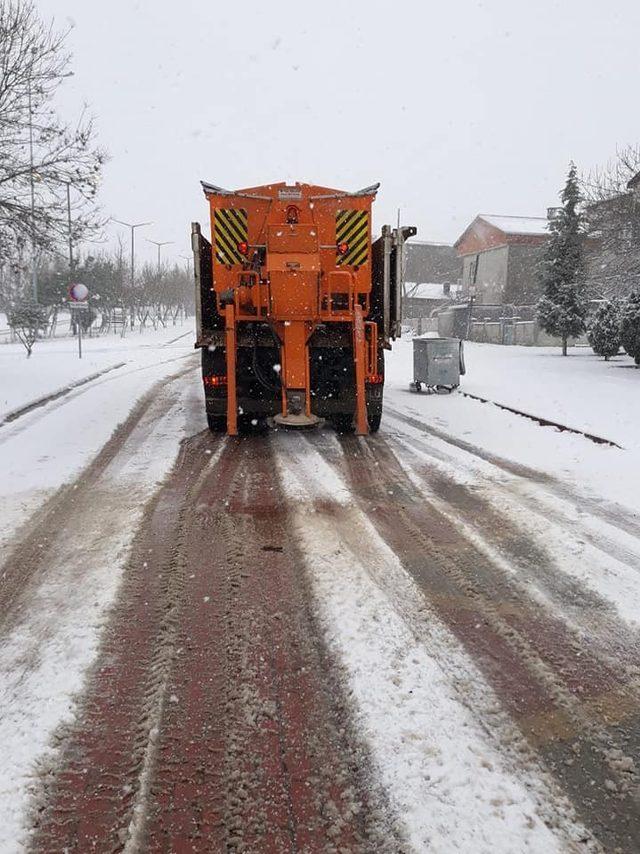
column 374, row 415
column 217, row 423
column 342, row 423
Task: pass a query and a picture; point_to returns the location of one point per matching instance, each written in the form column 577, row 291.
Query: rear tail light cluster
column 375, row 379
column 343, row 248
column 243, row 247
column 215, row 380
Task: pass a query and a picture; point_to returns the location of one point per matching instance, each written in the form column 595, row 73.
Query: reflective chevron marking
column 230, row 228
column 352, row 228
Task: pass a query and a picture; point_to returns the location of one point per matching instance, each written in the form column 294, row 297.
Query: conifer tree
column 604, row 330
column 563, row 308
column 630, row 326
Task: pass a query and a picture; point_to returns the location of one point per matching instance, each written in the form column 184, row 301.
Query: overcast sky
column 456, row 107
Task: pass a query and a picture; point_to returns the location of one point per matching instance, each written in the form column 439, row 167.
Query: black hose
column 258, row 373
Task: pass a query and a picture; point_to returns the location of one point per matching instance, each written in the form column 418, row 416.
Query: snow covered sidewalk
column 581, row 391
column 54, row 363
column 48, row 446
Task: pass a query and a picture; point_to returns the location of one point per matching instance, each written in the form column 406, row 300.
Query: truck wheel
column 217, row 423
column 249, row 423
column 374, row 415
column 342, row 423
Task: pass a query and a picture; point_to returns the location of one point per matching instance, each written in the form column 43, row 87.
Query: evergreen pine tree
column 563, row 308
column 604, row 330
column 630, row 326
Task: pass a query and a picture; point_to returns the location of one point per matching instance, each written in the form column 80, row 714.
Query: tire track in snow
column 447, row 769
column 554, row 501
column 591, row 604
column 232, row 737
column 587, row 738
column 61, row 580
column 25, row 551
column 613, row 514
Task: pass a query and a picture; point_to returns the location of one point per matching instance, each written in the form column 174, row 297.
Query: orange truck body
column 294, row 306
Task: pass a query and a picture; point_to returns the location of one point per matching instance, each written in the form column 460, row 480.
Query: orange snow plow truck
column 295, row 306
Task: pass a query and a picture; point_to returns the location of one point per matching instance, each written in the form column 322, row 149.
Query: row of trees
column 43, row 160
column 157, row 298
column 563, row 310
column 158, row 295
column 50, row 171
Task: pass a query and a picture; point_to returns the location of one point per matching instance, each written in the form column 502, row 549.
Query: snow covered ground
column 45, row 655
column 446, row 777
column 581, row 391
column 436, row 728
column 55, row 363
column 49, row 446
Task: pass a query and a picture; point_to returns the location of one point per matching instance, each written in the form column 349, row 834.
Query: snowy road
column 286, row 642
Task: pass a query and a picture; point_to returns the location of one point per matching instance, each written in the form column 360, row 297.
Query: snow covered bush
column 604, row 330
column 27, row 319
column 630, row 326
column 562, row 309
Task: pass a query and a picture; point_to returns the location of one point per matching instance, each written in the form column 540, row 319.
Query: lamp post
column 132, row 226
column 188, row 264
column 34, row 271
column 68, row 183
column 159, row 244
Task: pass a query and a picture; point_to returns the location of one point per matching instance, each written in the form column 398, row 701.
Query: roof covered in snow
column 518, row 224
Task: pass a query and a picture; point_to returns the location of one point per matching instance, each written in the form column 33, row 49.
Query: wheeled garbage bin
column 437, row 363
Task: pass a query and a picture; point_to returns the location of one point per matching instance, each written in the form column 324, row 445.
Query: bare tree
column 40, row 155
column 613, row 225
column 609, row 181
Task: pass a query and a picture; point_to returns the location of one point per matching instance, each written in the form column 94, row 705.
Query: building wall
column 523, row 274
column 490, row 276
column 506, row 274
column 432, row 262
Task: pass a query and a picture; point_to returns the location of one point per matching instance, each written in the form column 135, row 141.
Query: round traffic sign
column 78, row 292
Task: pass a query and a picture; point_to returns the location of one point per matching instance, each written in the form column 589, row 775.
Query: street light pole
column 159, row 244
column 34, row 271
column 68, row 183
column 132, row 226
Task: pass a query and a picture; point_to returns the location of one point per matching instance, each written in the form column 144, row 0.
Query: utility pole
column 68, row 183
column 189, row 261
column 159, row 244
column 34, row 270
column 132, row 226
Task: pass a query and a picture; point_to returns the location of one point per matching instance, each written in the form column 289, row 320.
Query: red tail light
column 343, row 248
column 375, row 379
column 215, row 380
column 243, row 247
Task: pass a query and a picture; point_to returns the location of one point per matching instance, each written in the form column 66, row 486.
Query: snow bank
column 55, row 363
column 581, row 391
column 49, row 446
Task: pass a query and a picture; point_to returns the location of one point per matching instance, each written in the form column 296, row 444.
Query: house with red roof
column 501, row 258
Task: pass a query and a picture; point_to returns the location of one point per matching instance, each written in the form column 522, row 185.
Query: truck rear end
column 295, row 306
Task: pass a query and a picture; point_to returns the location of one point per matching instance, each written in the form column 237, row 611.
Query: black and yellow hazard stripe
column 230, row 228
column 352, row 228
